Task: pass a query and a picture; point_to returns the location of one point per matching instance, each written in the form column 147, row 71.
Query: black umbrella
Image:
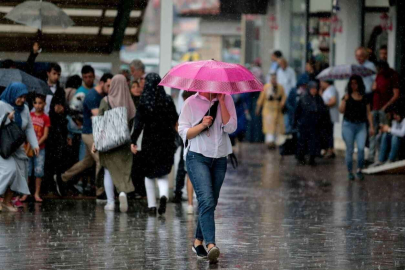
column 33, row 84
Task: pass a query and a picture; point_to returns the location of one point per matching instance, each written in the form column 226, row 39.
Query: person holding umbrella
column 14, row 170
column 205, row 122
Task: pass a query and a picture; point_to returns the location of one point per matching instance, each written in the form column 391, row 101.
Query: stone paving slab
column 272, row 214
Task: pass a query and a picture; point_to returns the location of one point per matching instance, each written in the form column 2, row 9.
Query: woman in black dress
column 156, row 115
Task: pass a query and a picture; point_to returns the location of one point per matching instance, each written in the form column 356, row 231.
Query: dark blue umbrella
column 33, row 84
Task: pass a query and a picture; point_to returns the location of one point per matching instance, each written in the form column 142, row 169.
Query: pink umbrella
column 212, row 77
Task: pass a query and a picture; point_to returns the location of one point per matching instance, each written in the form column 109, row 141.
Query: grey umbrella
column 33, row 84
column 39, row 14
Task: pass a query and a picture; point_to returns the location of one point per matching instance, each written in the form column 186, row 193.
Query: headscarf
column 11, row 93
column 154, row 96
column 120, row 96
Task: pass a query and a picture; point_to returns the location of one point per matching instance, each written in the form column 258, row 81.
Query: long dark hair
column 360, row 84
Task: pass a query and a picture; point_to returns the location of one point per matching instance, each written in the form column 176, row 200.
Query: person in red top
column 385, row 92
column 41, row 124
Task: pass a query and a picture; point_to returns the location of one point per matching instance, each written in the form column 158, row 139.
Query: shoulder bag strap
column 108, row 103
column 212, row 111
column 4, row 120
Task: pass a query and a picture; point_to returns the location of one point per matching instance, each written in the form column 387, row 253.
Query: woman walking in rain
column 14, row 170
column 356, row 112
column 117, row 162
column 157, row 117
column 206, row 122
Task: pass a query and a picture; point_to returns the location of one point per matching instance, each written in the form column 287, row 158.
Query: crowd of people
column 61, row 155
column 299, row 115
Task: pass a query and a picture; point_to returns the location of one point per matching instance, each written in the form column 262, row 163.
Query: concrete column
column 399, row 44
column 282, row 36
column 267, row 39
column 166, row 38
column 346, row 44
column 392, row 37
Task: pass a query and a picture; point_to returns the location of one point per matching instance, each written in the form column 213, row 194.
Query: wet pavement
column 272, row 214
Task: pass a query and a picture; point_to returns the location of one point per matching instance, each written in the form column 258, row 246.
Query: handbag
column 111, row 130
column 11, row 137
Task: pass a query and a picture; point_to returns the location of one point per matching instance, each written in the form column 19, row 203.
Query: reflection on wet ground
column 272, row 214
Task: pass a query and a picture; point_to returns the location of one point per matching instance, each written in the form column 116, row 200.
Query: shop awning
column 101, row 26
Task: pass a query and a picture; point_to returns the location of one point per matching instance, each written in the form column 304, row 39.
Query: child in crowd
column 41, row 123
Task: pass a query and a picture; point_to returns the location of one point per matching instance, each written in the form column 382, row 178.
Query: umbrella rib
column 196, row 75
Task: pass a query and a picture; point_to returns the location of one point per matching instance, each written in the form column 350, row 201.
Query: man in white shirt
column 288, row 79
column 362, row 59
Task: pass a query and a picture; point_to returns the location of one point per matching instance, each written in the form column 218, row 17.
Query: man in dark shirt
column 90, row 108
column 385, row 92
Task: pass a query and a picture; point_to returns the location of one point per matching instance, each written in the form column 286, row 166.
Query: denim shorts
column 37, row 163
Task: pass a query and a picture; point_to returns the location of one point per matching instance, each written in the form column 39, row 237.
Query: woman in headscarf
column 310, row 114
column 117, row 162
column 157, row 117
column 14, row 170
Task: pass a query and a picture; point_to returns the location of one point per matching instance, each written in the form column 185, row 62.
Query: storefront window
column 377, row 23
column 319, row 39
column 377, row 3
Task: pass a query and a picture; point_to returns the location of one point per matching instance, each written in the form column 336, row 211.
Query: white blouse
column 215, row 142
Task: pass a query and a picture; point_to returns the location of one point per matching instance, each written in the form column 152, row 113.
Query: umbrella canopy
column 212, row 77
column 39, row 14
column 33, row 84
column 342, row 72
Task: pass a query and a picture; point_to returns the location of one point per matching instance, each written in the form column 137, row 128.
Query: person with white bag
column 117, row 162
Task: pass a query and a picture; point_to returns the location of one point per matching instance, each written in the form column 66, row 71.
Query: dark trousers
column 138, row 175
column 308, row 143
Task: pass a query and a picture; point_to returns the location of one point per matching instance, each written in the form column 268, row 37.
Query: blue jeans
column 389, row 141
column 354, row 132
column 37, row 163
column 378, row 119
column 207, row 176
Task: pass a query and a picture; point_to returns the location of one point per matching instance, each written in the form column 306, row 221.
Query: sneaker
column 123, row 202
column 177, row 198
column 190, row 209
column 101, row 198
column 213, row 255
column 8, row 208
column 109, row 207
column 79, row 187
column 200, row 251
column 351, row 176
column 152, row 211
column 360, row 176
column 162, row 206
column 16, row 202
column 55, row 178
column 376, row 164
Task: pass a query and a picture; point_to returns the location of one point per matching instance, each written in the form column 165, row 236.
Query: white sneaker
column 109, row 207
column 376, row 164
column 190, row 209
column 123, row 202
